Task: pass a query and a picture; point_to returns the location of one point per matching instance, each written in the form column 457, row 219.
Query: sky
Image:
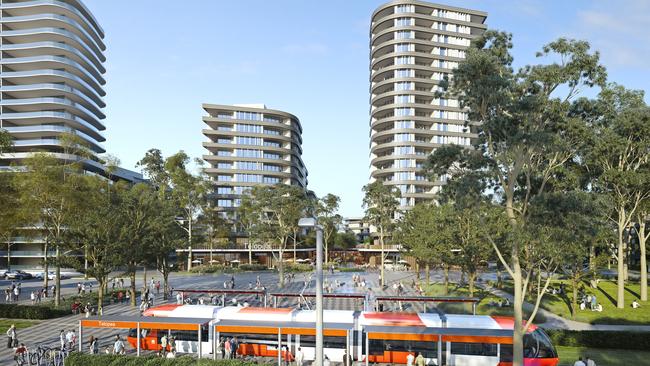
column 309, row 58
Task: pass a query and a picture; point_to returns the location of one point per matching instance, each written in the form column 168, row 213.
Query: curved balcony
column 49, row 89
column 79, row 12
column 49, row 48
column 39, row 130
column 34, row 118
column 53, row 21
column 39, row 104
column 52, row 143
column 56, row 63
column 53, row 76
column 59, row 35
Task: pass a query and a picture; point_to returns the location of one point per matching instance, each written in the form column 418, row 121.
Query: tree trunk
column 57, row 280
column 620, row 277
column 446, row 278
column 165, row 275
column 294, row 247
column 281, row 267
column 9, row 256
column 427, row 268
column 499, row 277
column 250, row 250
column 132, row 287
column 86, row 262
column 326, row 250
column 381, row 264
column 417, row 270
column 518, row 304
column 574, row 283
column 46, row 265
column 144, row 277
column 100, row 296
column 644, row 263
column 189, row 239
column 471, row 277
column 592, row 260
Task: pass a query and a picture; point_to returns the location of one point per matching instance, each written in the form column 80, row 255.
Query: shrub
column 252, row 267
column 297, row 267
column 211, row 268
column 600, row 339
column 15, row 311
column 80, row 359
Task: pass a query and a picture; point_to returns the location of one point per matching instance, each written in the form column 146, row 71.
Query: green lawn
column 604, row 357
column 19, row 323
column 606, row 295
column 483, row 308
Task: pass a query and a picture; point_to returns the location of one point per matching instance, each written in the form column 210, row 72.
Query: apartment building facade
column 51, row 84
column 413, row 45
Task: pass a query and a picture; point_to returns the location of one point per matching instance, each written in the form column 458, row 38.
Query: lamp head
column 307, row 222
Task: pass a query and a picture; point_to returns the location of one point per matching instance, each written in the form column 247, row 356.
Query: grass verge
column 607, row 357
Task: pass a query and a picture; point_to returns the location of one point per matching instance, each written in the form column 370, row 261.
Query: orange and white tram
column 370, row 337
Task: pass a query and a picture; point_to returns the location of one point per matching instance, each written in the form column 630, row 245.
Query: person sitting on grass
column 635, row 304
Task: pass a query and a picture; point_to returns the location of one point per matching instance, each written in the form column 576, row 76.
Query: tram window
column 428, row 349
column 506, row 353
column 253, row 338
column 328, row 342
column 190, row 335
column 474, row 349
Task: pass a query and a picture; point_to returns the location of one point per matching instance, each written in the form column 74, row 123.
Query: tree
column 48, row 190
column 6, row 141
column 247, row 218
column 153, row 166
column 141, row 207
column 97, row 226
column 12, row 215
column 278, row 207
column 427, row 232
column 642, row 216
column 526, row 133
column 619, row 150
column 217, row 229
column 165, row 237
column 381, row 203
column 189, row 191
column 328, row 218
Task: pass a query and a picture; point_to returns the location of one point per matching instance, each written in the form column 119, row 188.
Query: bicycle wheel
column 33, row 358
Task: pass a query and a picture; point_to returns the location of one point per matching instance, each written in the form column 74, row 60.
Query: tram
column 369, row 337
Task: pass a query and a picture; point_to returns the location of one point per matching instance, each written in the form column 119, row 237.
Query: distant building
column 413, row 46
column 358, row 226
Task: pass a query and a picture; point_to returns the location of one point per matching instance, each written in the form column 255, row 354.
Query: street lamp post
column 310, row 222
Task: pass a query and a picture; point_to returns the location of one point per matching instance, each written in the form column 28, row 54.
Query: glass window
column 404, row 60
column 224, row 141
column 223, row 153
column 224, row 178
column 271, row 156
column 271, row 180
column 404, row 35
column 404, row 86
column 474, row 349
column 224, row 166
column 404, row 73
column 402, row 22
column 223, row 203
column 224, row 190
column 248, row 128
column 404, row 98
column 248, row 116
column 404, row 47
column 404, row 8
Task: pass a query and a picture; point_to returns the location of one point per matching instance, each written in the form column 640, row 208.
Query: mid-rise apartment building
column 250, row 145
column 413, row 45
column 51, row 84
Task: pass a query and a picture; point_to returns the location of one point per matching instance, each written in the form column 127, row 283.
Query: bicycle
column 21, row 359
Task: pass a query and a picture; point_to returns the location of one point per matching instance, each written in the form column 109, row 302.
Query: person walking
column 410, row 359
column 235, row 347
column 300, row 357
column 62, row 339
column 93, row 345
column 220, row 347
column 590, row 362
column 118, row 346
column 163, row 345
column 32, row 297
column 12, row 337
column 223, row 348
column 228, row 347
column 419, row 361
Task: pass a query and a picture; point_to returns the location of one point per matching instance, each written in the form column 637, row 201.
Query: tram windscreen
column 537, row 344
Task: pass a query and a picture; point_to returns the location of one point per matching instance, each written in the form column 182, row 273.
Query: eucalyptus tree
column 163, row 238
column 642, row 217
column 619, row 151
column 6, row 141
column 381, row 203
column 427, row 232
column 526, row 133
column 97, row 226
column 217, row 229
column 189, row 191
column 247, row 218
column 326, row 209
column 12, row 214
column 278, row 209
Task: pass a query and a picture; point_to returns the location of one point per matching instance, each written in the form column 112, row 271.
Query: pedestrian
column 62, row 339
column 172, row 346
column 32, row 296
column 113, row 283
column 579, row 362
column 326, row 361
column 93, row 346
column 12, row 337
column 7, row 295
column 223, row 348
column 235, row 347
column 347, row 359
column 157, row 287
column 90, row 287
column 163, row 345
column 118, row 346
column 219, row 347
column 300, row 357
column 120, row 297
column 78, row 288
column 590, row 362
column 410, row 359
column 68, row 340
column 127, row 295
column 419, row 361
column 16, row 293
column 179, row 298
column 228, row 347
column 594, row 302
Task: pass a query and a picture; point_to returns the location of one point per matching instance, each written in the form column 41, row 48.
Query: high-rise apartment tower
column 413, row 45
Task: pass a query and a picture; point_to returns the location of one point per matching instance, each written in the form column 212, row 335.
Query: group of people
column 12, row 292
column 584, row 361
column 590, row 302
column 228, row 347
column 83, row 287
column 79, row 308
column 168, row 346
column 358, row 281
column 68, row 339
column 412, row 360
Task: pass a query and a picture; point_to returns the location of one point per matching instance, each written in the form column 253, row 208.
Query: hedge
column 80, row 359
column 252, row 267
column 351, row 269
column 639, row 341
column 15, row 311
